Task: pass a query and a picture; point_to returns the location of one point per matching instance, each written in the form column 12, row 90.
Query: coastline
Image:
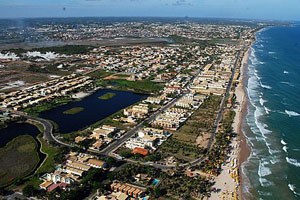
column 241, row 112
column 229, row 181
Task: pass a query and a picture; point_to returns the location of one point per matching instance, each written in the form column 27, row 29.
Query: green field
column 107, row 96
column 49, row 163
column 17, row 159
column 144, row 86
column 99, row 74
column 35, row 110
column 73, row 111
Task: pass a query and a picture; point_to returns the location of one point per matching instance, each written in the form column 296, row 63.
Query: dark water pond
column 94, row 109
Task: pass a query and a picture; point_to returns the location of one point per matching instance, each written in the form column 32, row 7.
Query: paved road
column 48, row 127
column 116, row 144
column 218, row 118
column 214, row 131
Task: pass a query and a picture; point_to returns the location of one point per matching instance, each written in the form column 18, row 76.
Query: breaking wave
column 292, row 113
column 292, row 187
column 265, row 86
column 292, row 161
column 287, row 83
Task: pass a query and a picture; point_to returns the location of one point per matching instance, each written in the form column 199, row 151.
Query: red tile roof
column 141, row 151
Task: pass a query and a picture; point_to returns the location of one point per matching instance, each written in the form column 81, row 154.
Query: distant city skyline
column 247, row 9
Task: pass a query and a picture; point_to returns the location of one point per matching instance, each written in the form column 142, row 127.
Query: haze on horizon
column 247, row 9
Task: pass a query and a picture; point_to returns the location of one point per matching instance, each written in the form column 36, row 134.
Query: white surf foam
column 292, row 187
column 262, row 101
column 267, row 110
column 263, row 170
column 265, row 183
column 292, row 161
column 292, row 113
column 283, row 142
column 287, row 83
column 271, row 52
column 274, row 160
column 265, row 86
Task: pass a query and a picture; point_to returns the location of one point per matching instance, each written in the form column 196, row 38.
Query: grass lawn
column 17, row 159
column 145, row 86
column 47, row 166
column 99, row 74
column 35, row 110
column 107, row 96
column 73, row 111
column 49, row 163
column 122, row 75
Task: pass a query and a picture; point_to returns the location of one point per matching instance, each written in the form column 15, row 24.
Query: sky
column 247, row 9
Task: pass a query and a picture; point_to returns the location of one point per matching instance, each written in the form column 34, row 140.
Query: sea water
column 272, row 125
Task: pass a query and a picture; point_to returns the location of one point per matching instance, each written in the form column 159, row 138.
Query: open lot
column 184, row 144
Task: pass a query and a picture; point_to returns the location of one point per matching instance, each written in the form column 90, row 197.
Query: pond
column 17, row 129
column 14, row 130
column 92, row 109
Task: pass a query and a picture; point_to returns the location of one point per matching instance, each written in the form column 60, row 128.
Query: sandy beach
column 241, row 99
column 228, row 182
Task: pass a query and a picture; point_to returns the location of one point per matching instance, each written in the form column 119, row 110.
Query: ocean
column 272, row 124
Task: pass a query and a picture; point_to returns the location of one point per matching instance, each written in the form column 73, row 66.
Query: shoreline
column 241, row 112
column 229, row 181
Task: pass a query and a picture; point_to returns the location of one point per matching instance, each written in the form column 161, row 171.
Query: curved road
column 48, row 128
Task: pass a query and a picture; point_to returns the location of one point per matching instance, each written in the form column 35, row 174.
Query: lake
column 94, row 109
column 14, row 130
column 17, row 129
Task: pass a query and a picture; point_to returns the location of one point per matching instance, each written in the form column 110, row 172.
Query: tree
column 111, row 162
column 157, row 192
column 125, row 154
column 29, row 191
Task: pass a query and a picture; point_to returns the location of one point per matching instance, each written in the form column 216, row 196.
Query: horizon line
column 181, row 17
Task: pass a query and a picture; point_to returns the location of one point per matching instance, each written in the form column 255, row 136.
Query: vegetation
column 127, row 173
column 180, row 185
column 35, row 110
column 29, row 191
column 90, row 182
column 107, row 96
column 53, row 155
column 17, row 159
column 99, row 74
column 67, row 49
column 144, row 86
column 46, row 69
column 122, row 75
column 184, row 40
column 221, row 148
column 182, row 145
column 200, row 122
column 183, row 152
column 175, row 185
column 73, row 111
